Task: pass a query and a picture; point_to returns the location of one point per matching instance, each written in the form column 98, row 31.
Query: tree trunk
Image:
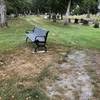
column 3, row 19
column 66, row 21
column 98, row 8
column 16, row 13
column 54, row 17
column 61, row 16
column 38, row 12
column 49, row 17
column 88, row 13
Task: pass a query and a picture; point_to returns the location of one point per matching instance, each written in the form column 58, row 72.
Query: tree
column 87, row 5
column 51, row 6
column 19, row 6
column 99, row 7
column 67, row 13
column 39, row 6
column 3, row 19
column 70, row 3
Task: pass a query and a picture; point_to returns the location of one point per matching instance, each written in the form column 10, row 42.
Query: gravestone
column 58, row 17
column 69, row 20
column 96, row 25
column 85, row 22
column 76, row 21
column 81, row 20
column 54, row 17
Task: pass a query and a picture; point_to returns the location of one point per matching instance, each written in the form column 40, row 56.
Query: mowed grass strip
column 70, row 35
column 14, row 35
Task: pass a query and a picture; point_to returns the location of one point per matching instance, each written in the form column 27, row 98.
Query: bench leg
column 39, row 46
column 45, row 48
column 26, row 39
column 36, row 49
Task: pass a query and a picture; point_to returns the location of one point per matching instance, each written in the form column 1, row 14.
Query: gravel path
column 73, row 82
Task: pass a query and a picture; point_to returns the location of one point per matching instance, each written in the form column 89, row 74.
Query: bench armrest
column 39, row 36
column 27, row 31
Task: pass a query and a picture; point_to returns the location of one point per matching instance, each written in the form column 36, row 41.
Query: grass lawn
column 25, row 76
column 71, row 35
column 14, row 35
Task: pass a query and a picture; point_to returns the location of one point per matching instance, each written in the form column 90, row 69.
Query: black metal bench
column 38, row 36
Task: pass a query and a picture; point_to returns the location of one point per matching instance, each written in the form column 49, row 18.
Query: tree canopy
column 42, row 6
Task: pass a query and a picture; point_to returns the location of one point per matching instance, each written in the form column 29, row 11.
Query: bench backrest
column 40, row 32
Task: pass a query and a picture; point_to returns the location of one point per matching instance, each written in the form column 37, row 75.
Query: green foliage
column 54, row 6
column 18, row 6
column 90, row 5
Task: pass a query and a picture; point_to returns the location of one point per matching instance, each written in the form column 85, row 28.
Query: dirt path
column 74, row 82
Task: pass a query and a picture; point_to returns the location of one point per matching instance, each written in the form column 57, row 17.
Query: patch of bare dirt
column 24, row 63
column 75, row 73
column 94, row 72
column 75, row 81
